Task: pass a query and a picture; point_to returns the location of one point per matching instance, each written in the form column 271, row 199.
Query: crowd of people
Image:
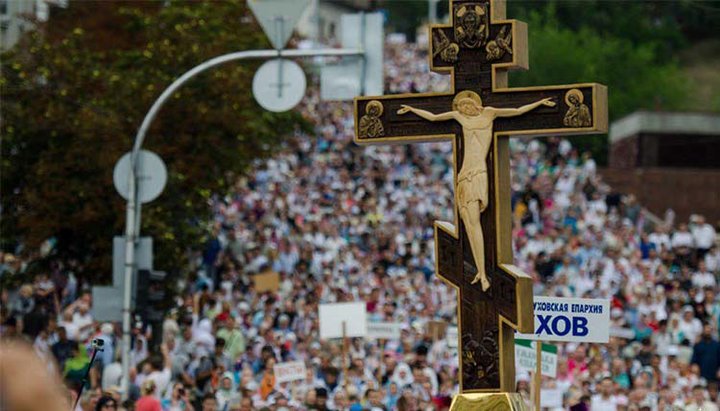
column 342, row 223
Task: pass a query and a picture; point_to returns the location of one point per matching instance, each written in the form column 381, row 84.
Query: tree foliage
column 634, row 73
column 74, row 94
column 670, row 25
column 406, row 16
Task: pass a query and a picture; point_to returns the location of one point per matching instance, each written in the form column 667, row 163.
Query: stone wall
column 686, row 191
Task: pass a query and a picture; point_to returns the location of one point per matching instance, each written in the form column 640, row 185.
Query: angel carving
column 497, row 48
column 442, row 46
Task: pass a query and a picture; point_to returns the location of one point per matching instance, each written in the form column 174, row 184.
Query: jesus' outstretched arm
column 426, row 114
column 512, row 112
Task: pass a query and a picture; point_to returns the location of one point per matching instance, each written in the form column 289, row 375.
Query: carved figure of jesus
column 471, row 189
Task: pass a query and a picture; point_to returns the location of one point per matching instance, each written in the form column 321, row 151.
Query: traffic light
column 150, row 295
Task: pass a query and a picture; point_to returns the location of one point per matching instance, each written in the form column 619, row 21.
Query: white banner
column 289, row 371
column 332, row 317
column 383, row 330
column 626, row 333
column 525, row 358
column 570, row 319
column 452, row 337
column 551, row 398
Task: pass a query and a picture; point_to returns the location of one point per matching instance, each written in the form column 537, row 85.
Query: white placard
column 340, row 81
column 383, row 330
column 289, row 371
column 626, row 333
column 570, row 319
column 332, row 317
column 525, row 359
column 365, row 31
column 451, row 336
column 551, row 398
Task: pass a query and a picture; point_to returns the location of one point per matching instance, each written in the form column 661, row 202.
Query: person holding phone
column 178, row 401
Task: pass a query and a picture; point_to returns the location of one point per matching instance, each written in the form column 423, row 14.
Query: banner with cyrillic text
column 570, row 319
column 526, row 358
column 383, row 330
column 289, row 371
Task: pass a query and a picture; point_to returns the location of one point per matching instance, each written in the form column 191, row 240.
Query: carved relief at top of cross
column 478, row 44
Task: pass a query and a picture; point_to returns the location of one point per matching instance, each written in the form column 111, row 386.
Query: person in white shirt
column 84, row 321
column 78, row 325
column 605, row 400
column 111, row 375
column 589, row 165
column 704, row 236
column 660, row 238
column 703, row 278
column 690, row 326
column 712, row 259
column 160, row 371
column 598, row 204
column 699, row 401
column 682, row 237
column 682, row 243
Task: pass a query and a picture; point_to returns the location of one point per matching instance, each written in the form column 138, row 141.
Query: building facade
column 668, row 160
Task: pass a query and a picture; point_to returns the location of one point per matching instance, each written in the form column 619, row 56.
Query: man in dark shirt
column 62, row 350
column 545, row 266
column 706, row 354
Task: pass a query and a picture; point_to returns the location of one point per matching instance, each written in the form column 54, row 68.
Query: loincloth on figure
column 472, row 186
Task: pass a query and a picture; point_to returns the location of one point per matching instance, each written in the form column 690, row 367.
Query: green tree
column 635, row 77
column 670, row 25
column 75, row 92
column 407, row 15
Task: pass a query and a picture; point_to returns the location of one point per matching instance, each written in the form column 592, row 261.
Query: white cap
column 107, row 328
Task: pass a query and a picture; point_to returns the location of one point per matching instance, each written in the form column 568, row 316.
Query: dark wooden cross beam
column 477, row 49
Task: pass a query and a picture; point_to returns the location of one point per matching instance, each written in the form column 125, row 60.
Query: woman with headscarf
column 402, row 376
column 202, row 332
column 227, row 394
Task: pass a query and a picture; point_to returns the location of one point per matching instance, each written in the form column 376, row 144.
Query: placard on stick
column 436, row 329
column 269, row 281
column 332, row 317
column 289, row 371
column 383, row 330
column 526, row 357
column 570, row 319
column 451, row 336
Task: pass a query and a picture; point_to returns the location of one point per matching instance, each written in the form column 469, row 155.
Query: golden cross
column 477, row 116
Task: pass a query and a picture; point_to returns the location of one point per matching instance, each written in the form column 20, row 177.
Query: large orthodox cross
column 477, row 116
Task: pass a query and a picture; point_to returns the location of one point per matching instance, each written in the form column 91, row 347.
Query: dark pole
column 87, row 373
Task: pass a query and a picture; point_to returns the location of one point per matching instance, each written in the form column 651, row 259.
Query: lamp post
column 133, row 208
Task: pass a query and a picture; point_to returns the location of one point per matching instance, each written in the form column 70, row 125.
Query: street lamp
column 133, row 206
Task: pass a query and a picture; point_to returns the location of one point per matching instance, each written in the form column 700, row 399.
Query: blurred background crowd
column 343, row 223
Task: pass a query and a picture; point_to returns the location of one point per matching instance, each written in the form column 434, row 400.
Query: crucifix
column 477, row 116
